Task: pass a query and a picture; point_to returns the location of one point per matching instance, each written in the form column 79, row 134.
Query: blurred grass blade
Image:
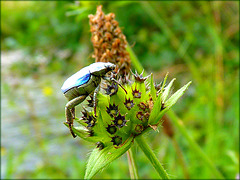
column 193, row 145
column 76, row 12
column 101, row 158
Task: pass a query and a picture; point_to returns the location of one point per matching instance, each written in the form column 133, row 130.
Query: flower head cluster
column 118, row 115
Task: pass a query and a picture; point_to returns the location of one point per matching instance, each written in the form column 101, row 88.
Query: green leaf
column 153, row 90
column 155, row 110
column 101, row 158
column 166, row 91
column 173, row 99
column 164, row 81
column 156, row 114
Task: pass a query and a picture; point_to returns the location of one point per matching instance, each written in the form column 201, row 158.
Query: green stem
column 137, row 65
column 192, row 144
column 151, row 156
column 132, row 164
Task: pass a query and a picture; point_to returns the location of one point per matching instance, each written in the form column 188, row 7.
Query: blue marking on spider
column 78, row 86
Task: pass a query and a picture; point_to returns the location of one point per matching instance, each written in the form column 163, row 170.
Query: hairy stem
column 152, row 157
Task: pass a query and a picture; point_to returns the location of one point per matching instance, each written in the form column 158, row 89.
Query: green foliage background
column 42, row 43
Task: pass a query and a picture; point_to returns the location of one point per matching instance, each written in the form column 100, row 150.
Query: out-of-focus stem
column 192, row 144
column 135, row 62
column 132, row 164
column 181, row 159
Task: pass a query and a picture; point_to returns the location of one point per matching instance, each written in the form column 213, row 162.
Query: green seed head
column 117, row 140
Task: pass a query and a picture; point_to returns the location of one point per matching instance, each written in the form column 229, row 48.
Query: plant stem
column 132, row 164
column 137, row 65
column 151, row 156
column 179, row 124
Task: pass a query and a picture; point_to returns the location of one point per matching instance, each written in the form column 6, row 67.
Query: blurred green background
column 42, row 43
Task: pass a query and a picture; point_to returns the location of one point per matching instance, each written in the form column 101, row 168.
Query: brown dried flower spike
column 108, row 41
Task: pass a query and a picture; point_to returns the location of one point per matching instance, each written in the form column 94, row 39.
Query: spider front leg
column 70, row 111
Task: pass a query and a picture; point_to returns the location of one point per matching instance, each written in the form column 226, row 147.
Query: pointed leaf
column 154, row 119
column 173, row 99
column 153, row 90
column 101, row 158
column 167, row 90
column 164, row 82
column 155, row 110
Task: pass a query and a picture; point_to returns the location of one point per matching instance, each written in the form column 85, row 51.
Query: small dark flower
column 129, row 103
column 86, row 114
column 120, row 121
column 112, row 110
column 139, row 77
column 117, row 140
column 138, row 128
column 162, row 106
column 126, row 79
column 140, row 115
column 158, row 86
column 90, row 101
column 111, row 89
column 111, row 129
column 91, row 133
column 136, row 93
column 100, row 145
column 90, row 121
column 143, row 106
column 146, row 115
